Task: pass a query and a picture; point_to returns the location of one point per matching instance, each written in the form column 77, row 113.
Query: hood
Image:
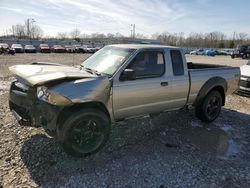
column 59, row 47
column 40, row 74
column 245, row 70
column 32, row 48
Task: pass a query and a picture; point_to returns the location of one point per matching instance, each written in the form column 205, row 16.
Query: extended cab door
column 180, row 83
column 149, row 92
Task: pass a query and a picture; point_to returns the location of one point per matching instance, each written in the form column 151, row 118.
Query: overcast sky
column 111, row 16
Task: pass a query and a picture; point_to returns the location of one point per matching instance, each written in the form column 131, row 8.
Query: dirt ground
column 170, row 150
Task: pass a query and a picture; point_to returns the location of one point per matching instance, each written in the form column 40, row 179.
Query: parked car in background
column 225, row 51
column 44, row 48
column 198, row 52
column 82, row 49
column 242, row 51
column 58, row 49
column 245, row 80
column 87, row 49
column 29, row 49
column 91, row 49
column 76, row 48
column 18, row 48
column 5, row 49
column 69, row 48
column 212, row 52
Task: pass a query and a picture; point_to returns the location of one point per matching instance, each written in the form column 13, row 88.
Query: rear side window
column 177, row 62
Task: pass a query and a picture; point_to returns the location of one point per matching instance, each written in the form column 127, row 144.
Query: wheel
column 232, row 56
column 85, row 132
column 244, row 56
column 210, row 107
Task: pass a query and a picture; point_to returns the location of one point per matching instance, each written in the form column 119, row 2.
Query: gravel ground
column 144, row 152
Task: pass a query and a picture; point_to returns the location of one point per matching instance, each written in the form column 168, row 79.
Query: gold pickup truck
column 77, row 105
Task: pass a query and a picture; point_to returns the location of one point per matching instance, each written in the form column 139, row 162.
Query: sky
column 111, row 16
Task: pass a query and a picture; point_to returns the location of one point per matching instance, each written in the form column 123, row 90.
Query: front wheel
column 85, row 132
column 209, row 109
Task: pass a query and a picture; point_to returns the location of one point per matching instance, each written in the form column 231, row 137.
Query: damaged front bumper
column 30, row 111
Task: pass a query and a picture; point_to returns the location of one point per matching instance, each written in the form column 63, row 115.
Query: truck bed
column 200, row 73
column 203, row 66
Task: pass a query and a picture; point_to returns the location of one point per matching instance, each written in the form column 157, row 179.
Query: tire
column 85, row 132
column 209, row 108
column 244, row 56
column 232, row 56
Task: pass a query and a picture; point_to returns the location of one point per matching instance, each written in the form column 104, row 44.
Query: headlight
column 53, row 98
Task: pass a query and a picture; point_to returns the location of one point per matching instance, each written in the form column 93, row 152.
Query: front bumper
column 244, row 86
column 29, row 111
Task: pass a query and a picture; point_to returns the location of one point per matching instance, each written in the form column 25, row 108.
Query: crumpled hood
column 245, row 70
column 40, row 74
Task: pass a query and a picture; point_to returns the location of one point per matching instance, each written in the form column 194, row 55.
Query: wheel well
column 69, row 110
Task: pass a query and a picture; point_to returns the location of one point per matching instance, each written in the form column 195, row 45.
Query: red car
column 44, row 48
column 58, row 49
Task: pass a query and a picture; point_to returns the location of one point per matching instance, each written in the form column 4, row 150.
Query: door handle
column 164, row 83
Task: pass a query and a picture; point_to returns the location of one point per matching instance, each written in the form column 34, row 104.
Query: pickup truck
column 78, row 105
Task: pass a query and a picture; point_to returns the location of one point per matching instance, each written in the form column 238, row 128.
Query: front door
column 149, row 92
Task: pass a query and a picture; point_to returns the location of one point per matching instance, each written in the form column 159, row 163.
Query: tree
column 62, row 35
column 75, row 34
column 36, row 32
column 18, row 31
column 110, row 35
column 232, row 44
column 27, row 30
column 221, row 45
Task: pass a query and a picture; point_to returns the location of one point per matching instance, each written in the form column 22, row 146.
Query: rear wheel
column 209, row 109
column 84, row 132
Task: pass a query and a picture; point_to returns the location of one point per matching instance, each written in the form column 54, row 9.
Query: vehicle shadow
column 140, row 150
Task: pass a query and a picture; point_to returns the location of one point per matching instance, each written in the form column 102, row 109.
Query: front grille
column 245, row 83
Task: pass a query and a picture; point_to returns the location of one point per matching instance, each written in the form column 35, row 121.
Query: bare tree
column 110, row 35
column 85, row 36
column 18, row 31
column 242, row 36
column 98, row 35
column 75, row 34
column 62, row 35
column 36, row 32
column 140, row 36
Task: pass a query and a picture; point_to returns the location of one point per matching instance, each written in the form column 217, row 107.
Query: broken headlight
column 53, row 98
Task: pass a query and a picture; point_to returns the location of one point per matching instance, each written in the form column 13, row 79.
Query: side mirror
column 128, row 74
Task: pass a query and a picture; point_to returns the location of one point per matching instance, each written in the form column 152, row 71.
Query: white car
column 198, row 52
column 244, row 86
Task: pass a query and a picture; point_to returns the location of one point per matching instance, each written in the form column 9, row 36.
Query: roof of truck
column 139, row 46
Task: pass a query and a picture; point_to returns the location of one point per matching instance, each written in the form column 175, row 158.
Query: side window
column 177, row 62
column 148, row 64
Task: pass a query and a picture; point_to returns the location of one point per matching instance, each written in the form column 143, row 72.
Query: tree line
column 215, row 39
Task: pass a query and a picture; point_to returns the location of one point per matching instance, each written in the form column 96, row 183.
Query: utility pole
column 133, row 31
column 29, row 22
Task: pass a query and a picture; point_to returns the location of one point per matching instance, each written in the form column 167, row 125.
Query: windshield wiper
column 89, row 70
column 92, row 71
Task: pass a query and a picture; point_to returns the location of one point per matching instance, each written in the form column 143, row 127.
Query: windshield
column 16, row 45
column 44, row 45
column 108, row 59
column 4, row 45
